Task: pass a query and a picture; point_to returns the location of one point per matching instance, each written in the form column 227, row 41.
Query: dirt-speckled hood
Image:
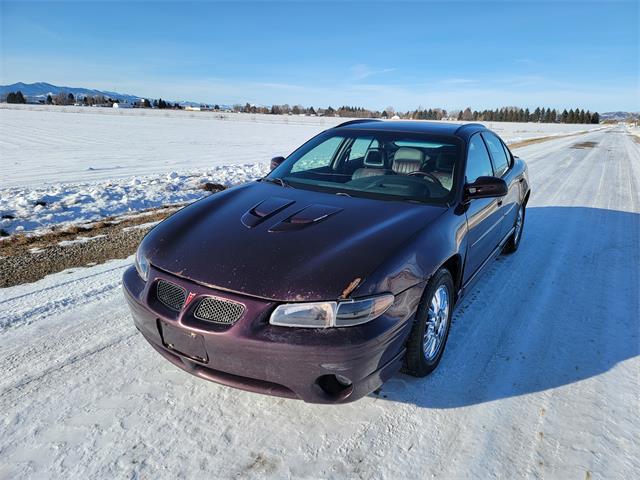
column 283, row 243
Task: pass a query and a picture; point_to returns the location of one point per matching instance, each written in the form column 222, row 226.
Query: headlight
column 355, row 312
column 331, row 314
column 142, row 265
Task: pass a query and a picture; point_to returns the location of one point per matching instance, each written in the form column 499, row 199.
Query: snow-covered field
column 64, row 165
column 540, row 379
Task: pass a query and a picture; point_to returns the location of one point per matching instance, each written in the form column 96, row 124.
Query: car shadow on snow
column 563, row 309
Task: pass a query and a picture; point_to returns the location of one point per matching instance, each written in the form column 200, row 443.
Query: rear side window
column 500, row 160
column 360, row 146
column 478, row 161
column 508, row 154
column 319, row 156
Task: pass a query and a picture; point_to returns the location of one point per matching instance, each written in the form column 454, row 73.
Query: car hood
column 282, row 243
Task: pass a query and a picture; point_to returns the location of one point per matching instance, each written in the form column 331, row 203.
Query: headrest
column 374, row 158
column 408, row 153
column 445, row 161
column 406, row 167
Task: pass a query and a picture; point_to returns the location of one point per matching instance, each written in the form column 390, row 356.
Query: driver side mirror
column 276, row 161
column 486, row 187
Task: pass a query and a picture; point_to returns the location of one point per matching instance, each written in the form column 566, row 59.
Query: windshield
column 386, row 165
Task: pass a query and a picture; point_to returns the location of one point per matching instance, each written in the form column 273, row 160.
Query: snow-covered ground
column 37, row 209
column 540, row 379
column 64, row 165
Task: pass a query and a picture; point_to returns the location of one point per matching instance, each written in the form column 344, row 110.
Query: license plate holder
column 183, row 342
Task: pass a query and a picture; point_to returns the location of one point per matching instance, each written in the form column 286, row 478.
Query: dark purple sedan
column 339, row 268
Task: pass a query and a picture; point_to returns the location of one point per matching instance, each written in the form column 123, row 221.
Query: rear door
column 502, row 163
column 483, row 214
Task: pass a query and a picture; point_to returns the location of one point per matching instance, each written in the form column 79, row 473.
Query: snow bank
column 37, row 209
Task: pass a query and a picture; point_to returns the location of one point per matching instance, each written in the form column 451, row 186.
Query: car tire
column 514, row 240
column 422, row 355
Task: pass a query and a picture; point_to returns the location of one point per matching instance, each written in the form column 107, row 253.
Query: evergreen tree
column 49, row 99
column 536, row 115
column 16, row 97
column 548, row 116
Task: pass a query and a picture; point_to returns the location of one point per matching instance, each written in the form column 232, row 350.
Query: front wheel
column 514, row 240
column 431, row 326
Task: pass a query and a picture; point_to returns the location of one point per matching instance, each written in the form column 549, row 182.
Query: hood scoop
column 265, row 210
column 307, row 216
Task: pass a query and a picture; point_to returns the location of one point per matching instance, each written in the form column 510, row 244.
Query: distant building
column 122, row 105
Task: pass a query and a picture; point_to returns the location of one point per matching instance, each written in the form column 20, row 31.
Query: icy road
column 540, row 377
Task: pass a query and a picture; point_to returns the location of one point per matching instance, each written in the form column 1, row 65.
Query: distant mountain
column 619, row 116
column 42, row 89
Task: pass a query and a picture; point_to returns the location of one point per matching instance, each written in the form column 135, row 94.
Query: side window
column 508, row 154
column 500, row 160
column 478, row 161
column 319, row 156
column 360, row 146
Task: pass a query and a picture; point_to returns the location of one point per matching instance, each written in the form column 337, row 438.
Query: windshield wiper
column 276, row 180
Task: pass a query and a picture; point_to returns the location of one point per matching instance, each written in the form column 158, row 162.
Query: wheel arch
column 454, row 265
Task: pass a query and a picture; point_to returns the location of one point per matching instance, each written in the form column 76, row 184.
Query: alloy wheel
column 436, row 324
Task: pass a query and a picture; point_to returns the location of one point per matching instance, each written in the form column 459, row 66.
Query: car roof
column 413, row 126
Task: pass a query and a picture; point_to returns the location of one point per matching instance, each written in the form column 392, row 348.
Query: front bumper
column 253, row 355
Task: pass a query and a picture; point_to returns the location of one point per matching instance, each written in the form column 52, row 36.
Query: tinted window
column 478, row 162
column 500, row 161
column 319, row 156
column 360, row 146
column 508, row 154
column 385, row 165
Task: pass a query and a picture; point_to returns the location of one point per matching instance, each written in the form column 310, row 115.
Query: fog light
column 336, row 387
column 343, row 380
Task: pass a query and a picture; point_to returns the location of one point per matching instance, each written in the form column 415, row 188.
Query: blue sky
column 374, row 54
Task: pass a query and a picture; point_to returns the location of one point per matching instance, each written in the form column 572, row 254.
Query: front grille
column 171, row 295
column 217, row 310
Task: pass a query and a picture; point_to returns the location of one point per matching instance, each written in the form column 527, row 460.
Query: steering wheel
column 431, row 176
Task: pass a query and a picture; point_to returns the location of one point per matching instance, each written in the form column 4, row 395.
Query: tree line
column 542, row 115
column 505, row 114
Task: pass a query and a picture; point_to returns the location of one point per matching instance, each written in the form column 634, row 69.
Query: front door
column 484, row 219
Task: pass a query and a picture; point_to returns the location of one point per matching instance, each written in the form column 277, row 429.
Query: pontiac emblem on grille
column 188, row 300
